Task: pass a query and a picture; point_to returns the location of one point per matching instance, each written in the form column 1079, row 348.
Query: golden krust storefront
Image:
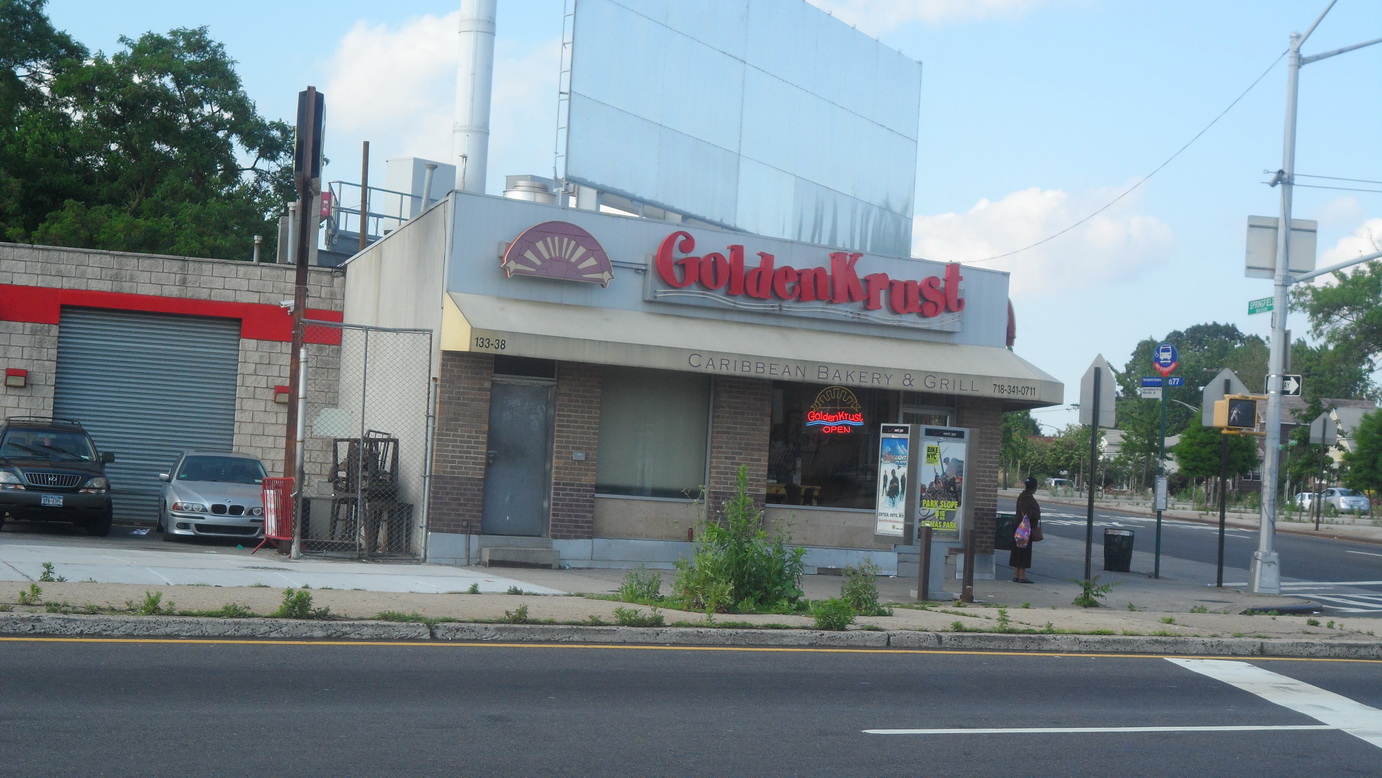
column 603, row 379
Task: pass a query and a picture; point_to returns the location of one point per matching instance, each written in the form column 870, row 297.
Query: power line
column 1145, row 178
column 1340, row 188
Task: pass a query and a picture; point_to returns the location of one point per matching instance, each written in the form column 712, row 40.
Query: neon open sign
column 835, row 411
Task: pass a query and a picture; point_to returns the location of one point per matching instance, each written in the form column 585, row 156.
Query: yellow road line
column 635, row 647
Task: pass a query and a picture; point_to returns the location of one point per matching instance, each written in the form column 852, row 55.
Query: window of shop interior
column 809, row 466
column 654, row 427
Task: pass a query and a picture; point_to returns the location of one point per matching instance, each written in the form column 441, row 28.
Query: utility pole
column 1266, row 569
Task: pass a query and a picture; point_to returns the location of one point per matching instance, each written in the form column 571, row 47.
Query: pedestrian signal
column 1235, row 413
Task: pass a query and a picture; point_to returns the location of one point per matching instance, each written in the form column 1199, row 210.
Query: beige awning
column 573, row 333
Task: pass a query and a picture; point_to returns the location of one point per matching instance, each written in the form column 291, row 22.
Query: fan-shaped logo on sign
column 558, row 250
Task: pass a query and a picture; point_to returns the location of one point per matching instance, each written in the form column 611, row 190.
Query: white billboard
column 767, row 116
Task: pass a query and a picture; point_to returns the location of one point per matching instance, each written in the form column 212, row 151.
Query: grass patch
column 632, row 617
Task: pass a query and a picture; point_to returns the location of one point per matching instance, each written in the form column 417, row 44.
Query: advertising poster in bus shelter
column 894, row 443
column 941, row 479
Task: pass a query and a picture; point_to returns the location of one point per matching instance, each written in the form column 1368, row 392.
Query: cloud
column 879, row 16
column 395, row 86
column 1367, row 239
column 1118, row 244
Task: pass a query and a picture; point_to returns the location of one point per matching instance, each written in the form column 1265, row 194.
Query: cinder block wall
column 260, row 423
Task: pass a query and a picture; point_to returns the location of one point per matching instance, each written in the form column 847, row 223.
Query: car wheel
column 101, row 526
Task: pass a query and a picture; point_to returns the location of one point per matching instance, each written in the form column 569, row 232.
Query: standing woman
column 1021, row 558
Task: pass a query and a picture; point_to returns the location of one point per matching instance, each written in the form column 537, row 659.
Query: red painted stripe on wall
column 43, row 305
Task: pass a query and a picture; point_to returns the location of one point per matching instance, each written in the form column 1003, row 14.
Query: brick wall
column 741, row 410
column 984, row 420
column 577, row 431
column 458, row 468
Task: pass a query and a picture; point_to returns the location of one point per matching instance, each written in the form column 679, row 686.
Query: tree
column 154, row 149
column 1365, row 460
column 1016, row 448
column 1347, row 314
column 1204, row 350
column 1198, row 452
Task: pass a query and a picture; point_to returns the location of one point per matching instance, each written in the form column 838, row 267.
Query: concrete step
column 509, row 556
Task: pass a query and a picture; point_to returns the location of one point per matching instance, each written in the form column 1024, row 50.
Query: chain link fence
column 369, row 429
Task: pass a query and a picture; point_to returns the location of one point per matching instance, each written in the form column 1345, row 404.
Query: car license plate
column 51, row 500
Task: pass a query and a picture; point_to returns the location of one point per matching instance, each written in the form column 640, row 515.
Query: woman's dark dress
column 1026, row 506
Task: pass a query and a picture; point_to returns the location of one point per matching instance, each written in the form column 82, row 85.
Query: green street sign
column 1260, row 306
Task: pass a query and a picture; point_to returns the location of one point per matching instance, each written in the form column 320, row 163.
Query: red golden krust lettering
column 667, row 266
column 877, row 284
column 933, row 295
column 838, row 284
column 815, row 284
column 714, row 271
column 953, row 303
column 736, row 269
column 785, row 283
column 759, row 282
column 846, row 279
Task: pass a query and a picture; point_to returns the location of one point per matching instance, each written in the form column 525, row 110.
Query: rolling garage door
column 147, row 386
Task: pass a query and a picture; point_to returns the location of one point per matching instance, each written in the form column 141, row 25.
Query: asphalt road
column 183, row 707
column 1342, row 575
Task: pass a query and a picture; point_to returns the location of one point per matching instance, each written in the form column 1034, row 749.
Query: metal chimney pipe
column 474, row 83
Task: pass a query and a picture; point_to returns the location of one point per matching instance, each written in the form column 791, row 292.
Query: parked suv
column 50, row 470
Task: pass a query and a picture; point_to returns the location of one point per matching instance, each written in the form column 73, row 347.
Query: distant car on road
column 209, row 494
column 1304, row 500
column 1346, row 500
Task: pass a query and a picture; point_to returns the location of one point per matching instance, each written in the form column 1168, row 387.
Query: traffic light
column 1235, row 413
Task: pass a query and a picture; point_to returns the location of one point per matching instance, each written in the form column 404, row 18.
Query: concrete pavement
column 110, row 581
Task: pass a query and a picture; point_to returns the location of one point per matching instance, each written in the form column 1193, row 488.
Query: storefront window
column 653, row 430
column 824, row 444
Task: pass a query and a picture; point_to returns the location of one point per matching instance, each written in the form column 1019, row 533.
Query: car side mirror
column 107, row 457
column 163, row 476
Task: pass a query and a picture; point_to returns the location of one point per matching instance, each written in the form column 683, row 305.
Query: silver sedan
column 209, row 494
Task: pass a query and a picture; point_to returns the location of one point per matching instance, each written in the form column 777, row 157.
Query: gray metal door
column 147, row 386
column 518, row 481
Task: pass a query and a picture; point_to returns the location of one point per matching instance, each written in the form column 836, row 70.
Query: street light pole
column 1266, row 570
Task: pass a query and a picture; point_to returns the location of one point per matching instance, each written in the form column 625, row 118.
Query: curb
column 190, row 627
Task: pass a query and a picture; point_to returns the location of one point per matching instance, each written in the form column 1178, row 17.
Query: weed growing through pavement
column 1168, row 619
column 1132, row 607
column 642, row 586
column 1313, row 622
column 1004, row 623
column 474, row 589
column 518, row 615
column 1091, row 592
column 298, row 605
column 1199, row 609
column 632, row 617
column 33, row 596
column 834, row 614
column 516, row 590
column 860, row 589
column 47, row 575
column 151, row 606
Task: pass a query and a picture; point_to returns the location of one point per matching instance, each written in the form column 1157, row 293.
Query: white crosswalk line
column 1340, row 712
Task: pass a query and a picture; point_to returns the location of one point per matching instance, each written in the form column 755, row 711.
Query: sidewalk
column 1139, row 614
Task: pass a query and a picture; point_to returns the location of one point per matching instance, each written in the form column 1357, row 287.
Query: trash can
column 1003, row 532
column 1117, row 549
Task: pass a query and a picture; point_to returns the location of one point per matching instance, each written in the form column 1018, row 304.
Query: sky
column 1105, row 153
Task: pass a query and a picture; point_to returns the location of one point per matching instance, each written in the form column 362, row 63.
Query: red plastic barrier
column 278, row 510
